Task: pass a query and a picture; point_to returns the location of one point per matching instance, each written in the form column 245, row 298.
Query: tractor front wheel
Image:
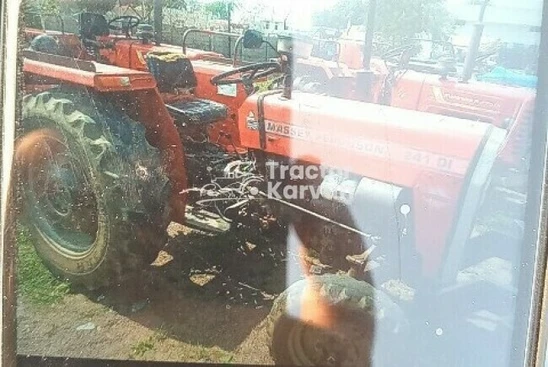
column 94, row 193
column 330, row 320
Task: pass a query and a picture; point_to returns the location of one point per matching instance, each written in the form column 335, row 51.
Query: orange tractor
column 120, row 136
column 421, row 75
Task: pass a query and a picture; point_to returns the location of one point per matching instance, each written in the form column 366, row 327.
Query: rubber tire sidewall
column 118, row 248
column 345, row 296
column 46, row 247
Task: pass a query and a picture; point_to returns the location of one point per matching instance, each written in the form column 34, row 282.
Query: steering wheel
column 247, row 73
column 398, row 55
column 129, row 22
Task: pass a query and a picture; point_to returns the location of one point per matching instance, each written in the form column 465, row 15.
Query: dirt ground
column 205, row 300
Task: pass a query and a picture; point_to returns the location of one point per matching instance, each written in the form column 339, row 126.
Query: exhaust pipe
column 365, row 77
column 370, row 30
column 473, row 47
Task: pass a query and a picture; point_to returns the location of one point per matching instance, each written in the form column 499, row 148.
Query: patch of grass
column 35, row 282
column 159, row 340
column 215, row 355
column 228, row 359
column 161, row 334
column 143, row 346
column 149, row 344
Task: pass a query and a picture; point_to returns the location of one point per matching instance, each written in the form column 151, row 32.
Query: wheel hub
column 335, row 349
column 59, row 196
column 318, row 346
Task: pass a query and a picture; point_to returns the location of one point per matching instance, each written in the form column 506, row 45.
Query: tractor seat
column 195, row 111
column 174, row 71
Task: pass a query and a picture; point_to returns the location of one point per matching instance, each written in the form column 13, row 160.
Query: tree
column 41, row 6
column 396, row 22
column 248, row 15
column 145, row 8
column 222, row 9
column 192, row 5
column 340, row 15
column 34, row 11
column 95, row 6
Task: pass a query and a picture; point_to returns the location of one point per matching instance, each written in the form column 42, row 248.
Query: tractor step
column 204, row 220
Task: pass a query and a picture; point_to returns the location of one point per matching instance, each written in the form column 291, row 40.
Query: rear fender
column 138, row 94
column 148, row 108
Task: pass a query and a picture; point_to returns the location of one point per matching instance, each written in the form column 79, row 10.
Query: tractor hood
column 384, row 143
column 495, row 104
column 442, row 163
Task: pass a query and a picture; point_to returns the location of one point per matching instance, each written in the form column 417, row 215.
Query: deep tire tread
column 343, row 293
column 117, row 150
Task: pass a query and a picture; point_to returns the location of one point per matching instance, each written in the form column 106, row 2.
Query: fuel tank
column 432, row 156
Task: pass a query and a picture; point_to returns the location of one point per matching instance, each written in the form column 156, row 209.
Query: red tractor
column 421, row 75
column 396, row 212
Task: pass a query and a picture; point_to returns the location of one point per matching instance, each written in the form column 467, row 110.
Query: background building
column 510, row 21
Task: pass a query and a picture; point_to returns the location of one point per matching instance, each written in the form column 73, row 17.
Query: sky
column 300, row 11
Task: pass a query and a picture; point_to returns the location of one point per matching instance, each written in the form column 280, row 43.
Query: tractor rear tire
column 342, row 329
column 94, row 192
